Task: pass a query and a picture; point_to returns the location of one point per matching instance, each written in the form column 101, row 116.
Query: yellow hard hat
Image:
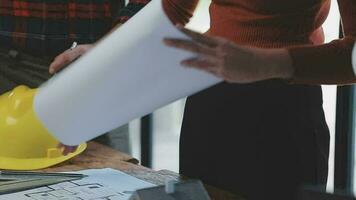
column 25, row 144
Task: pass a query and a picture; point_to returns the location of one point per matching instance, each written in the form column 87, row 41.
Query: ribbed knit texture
column 295, row 25
column 256, row 22
column 317, row 64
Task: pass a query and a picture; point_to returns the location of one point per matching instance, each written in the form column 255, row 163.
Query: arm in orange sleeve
column 328, row 63
column 179, row 11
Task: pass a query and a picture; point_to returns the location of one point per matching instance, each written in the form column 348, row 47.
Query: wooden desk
column 100, row 156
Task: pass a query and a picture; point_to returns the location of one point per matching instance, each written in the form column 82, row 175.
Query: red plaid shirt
column 46, row 28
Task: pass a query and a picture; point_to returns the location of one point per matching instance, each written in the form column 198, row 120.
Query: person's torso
column 50, row 26
column 269, row 23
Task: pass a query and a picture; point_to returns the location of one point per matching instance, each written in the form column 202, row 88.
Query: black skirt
column 261, row 140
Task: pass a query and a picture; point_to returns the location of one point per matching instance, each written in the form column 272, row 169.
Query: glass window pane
column 167, row 121
column 353, row 160
column 331, row 30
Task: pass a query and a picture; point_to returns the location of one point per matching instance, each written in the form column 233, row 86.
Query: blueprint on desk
column 101, row 184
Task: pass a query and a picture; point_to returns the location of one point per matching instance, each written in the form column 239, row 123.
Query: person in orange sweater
column 271, row 131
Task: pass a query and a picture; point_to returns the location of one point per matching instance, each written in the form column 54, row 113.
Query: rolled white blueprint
column 127, row 75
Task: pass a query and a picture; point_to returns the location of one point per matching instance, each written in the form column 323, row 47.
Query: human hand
column 68, row 56
column 67, row 149
column 231, row 62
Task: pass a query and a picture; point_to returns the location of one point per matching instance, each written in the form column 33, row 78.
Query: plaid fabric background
column 48, row 27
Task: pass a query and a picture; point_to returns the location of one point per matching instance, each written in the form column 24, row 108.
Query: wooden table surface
column 99, row 156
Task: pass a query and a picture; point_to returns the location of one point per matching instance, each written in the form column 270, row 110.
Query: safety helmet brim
column 8, row 163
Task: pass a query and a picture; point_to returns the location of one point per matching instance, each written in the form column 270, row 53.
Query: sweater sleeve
column 328, row 63
column 179, row 11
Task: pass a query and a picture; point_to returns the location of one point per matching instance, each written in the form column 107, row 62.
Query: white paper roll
column 127, row 75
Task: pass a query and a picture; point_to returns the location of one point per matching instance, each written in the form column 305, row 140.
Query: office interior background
column 154, row 139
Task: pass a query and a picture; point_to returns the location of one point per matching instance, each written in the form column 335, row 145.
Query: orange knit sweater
column 295, row 25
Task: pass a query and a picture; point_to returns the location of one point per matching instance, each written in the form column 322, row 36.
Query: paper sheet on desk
column 129, row 74
column 101, row 184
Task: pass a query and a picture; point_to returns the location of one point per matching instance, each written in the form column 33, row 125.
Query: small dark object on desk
column 188, row 190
